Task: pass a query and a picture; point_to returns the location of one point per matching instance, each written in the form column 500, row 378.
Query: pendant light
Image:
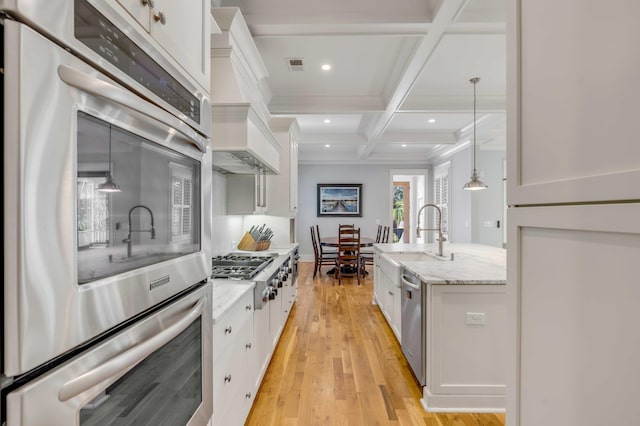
column 109, row 185
column 474, row 184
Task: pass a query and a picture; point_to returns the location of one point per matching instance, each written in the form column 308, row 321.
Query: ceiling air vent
column 295, row 64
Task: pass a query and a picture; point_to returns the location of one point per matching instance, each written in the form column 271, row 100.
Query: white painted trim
column 462, row 403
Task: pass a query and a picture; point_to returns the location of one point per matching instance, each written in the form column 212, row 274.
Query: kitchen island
column 463, row 321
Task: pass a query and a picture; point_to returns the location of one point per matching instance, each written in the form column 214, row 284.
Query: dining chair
column 320, row 257
column 348, row 262
column 323, row 249
column 366, row 256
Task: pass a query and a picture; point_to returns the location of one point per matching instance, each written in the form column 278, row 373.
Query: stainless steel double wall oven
column 106, row 303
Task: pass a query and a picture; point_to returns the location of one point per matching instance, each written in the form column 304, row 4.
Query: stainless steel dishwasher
column 413, row 326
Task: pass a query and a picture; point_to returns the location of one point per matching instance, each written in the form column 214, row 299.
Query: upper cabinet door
column 182, row 28
column 139, row 10
column 573, row 96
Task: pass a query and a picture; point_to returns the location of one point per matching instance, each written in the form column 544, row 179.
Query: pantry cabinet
column 182, row 29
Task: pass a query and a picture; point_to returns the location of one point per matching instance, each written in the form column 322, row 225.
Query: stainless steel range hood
column 241, row 142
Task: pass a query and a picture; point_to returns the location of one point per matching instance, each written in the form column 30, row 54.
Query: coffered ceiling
column 398, row 89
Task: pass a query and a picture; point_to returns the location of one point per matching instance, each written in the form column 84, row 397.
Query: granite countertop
column 226, row 293
column 472, row 264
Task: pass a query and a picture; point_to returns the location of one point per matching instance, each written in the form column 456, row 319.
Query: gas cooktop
column 241, row 266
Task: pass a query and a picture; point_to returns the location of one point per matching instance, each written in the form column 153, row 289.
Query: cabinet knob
column 247, row 395
column 248, row 307
column 228, row 330
column 148, row 3
column 227, row 378
column 248, row 345
column 160, row 17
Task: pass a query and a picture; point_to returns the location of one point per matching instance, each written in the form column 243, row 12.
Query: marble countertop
column 226, row 293
column 471, row 264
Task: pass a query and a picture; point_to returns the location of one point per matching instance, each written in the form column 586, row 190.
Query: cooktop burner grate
column 240, row 265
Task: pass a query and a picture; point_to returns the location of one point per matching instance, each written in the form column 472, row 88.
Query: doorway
column 401, row 209
column 408, row 192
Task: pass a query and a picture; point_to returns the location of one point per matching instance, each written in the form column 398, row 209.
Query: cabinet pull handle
column 227, row 378
column 148, row 3
column 390, row 293
column 160, row 17
column 247, row 395
column 248, row 307
column 228, row 330
column 248, row 345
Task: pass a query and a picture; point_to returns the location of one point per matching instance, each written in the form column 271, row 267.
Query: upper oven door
column 79, row 259
column 155, row 372
column 103, row 34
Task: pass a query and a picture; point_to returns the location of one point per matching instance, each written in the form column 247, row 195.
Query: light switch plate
column 475, row 318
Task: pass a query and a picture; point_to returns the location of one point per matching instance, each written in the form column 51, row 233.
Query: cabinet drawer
column 236, row 407
column 232, row 375
column 229, row 325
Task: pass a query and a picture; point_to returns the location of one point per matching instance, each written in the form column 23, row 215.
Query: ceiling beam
column 447, row 12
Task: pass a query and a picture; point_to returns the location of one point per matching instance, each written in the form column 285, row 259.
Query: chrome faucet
column 152, row 230
column 441, row 237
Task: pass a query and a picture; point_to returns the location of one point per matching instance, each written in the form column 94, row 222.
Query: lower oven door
column 158, row 371
column 81, row 257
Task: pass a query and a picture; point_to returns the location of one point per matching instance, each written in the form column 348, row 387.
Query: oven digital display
column 101, row 36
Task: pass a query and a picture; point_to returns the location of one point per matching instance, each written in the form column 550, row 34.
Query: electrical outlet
column 475, row 318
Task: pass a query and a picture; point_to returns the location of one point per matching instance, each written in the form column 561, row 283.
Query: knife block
column 247, row 242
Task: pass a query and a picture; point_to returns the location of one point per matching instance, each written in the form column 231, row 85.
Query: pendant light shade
column 109, row 185
column 474, row 184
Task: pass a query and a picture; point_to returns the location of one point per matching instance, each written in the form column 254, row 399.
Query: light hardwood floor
column 339, row 363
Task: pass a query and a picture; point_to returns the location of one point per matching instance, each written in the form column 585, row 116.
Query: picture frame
column 339, row 200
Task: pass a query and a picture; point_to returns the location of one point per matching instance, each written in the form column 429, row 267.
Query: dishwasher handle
column 409, row 283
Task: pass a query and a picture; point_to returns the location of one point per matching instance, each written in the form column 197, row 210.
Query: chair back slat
column 348, row 262
column 385, row 235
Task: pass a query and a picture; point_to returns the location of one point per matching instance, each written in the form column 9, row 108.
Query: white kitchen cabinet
column 263, row 347
column 572, row 313
column 572, row 101
column 233, row 363
column 246, row 194
column 283, row 188
column 387, row 292
column 182, row 29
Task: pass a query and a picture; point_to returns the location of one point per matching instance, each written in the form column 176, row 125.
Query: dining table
column 333, row 242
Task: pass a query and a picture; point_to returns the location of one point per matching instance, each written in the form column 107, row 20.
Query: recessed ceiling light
column 327, row 121
column 326, row 67
column 404, row 145
column 327, row 146
column 432, row 120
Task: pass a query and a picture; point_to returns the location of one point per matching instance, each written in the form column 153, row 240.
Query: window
column 93, row 213
column 181, row 206
column 441, row 196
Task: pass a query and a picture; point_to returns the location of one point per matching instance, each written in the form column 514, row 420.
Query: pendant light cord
column 474, row 81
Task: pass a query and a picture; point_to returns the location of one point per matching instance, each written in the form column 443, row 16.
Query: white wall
column 460, row 200
column 376, row 199
column 487, row 205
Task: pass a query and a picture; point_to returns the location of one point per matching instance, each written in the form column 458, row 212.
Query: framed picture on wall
column 340, row 199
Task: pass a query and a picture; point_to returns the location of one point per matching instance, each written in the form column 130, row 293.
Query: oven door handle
column 108, row 91
column 129, row 358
